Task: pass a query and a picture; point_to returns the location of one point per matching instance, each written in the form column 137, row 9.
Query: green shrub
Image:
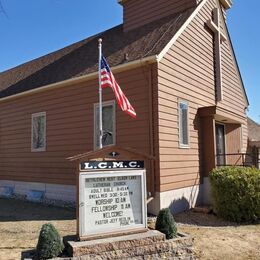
column 49, row 244
column 236, row 193
column 165, row 223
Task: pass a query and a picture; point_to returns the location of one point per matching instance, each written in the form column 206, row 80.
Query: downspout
column 151, row 131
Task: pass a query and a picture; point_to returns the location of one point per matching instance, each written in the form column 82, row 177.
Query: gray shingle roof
column 253, row 130
column 81, row 58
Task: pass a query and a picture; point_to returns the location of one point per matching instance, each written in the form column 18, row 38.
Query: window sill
column 182, row 146
column 107, row 145
column 38, row 150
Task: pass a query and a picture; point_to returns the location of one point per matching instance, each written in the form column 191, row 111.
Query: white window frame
column 43, row 149
column 225, row 136
column 104, row 104
column 241, row 139
column 181, row 145
column 225, row 140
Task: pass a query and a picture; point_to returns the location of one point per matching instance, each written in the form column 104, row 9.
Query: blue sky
column 33, row 28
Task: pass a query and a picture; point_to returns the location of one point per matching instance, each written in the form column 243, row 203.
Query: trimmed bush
column 236, row 193
column 49, row 244
column 165, row 223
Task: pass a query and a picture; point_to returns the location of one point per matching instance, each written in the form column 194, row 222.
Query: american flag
column 108, row 80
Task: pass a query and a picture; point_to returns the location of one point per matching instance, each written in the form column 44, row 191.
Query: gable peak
column 227, row 4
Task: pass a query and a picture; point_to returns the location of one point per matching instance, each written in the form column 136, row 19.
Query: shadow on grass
column 19, row 210
column 204, row 220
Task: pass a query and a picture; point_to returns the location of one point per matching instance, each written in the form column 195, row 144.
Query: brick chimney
column 140, row 12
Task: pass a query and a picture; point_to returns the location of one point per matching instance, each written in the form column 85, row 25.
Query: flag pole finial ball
column 99, row 40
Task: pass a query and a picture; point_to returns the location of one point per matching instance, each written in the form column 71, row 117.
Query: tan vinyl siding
column 233, row 133
column 70, row 125
column 140, row 12
column 187, row 72
column 244, row 130
column 236, row 132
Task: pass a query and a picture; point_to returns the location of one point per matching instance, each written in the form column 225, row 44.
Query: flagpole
column 100, row 95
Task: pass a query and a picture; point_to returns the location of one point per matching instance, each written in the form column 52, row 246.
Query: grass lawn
column 218, row 239
column 20, row 223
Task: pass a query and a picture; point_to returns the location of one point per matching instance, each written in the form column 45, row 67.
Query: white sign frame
column 104, row 174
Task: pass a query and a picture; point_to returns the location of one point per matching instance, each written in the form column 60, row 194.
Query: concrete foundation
column 66, row 193
column 177, row 200
column 206, row 199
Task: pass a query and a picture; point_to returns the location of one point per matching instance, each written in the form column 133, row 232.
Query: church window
column 108, row 122
column 38, row 134
column 183, row 124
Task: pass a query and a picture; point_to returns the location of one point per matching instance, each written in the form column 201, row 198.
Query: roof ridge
column 253, row 121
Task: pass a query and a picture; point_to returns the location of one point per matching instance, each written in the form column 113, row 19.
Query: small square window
column 184, row 124
column 38, row 142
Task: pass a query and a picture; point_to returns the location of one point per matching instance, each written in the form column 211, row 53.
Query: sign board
column 111, row 201
column 101, row 165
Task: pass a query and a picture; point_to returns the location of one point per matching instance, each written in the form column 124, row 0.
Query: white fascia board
column 226, row 3
column 121, row 1
column 180, row 31
column 90, row 76
column 184, row 26
column 233, row 54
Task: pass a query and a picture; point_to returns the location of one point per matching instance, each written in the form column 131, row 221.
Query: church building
column 175, row 63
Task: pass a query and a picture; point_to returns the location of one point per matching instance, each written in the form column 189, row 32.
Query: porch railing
column 238, row 159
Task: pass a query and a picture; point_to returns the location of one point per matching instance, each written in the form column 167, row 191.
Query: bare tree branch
column 2, row 10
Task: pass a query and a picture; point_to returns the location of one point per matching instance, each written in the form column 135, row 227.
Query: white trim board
column 161, row 55
column 180, row 31
column 85, row 78
column 235, row 63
